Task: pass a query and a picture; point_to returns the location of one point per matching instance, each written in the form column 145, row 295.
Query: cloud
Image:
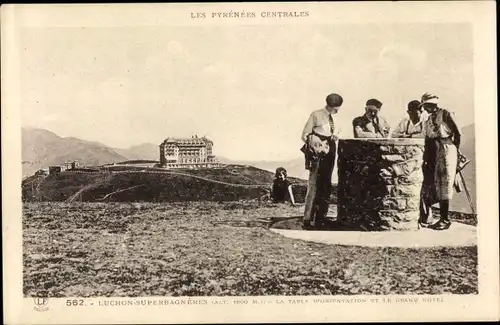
column 224, row 75
column 402, row 56
column 216, row 68
column 178, row 53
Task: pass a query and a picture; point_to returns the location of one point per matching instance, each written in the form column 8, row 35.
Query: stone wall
column 379, row 183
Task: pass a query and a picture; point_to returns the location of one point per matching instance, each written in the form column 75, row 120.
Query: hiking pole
column 467, row 193
column 464, row 162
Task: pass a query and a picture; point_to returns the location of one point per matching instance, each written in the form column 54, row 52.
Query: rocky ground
column 207, row 248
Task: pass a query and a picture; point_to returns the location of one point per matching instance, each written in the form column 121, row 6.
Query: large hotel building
column 191, row 152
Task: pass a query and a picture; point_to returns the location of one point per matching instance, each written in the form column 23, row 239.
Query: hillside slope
column 228, row 184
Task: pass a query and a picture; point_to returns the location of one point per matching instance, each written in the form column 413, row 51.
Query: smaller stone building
column 64, row 167
column 57, row 169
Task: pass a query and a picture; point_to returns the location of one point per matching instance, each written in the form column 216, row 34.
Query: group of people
column 442, row 143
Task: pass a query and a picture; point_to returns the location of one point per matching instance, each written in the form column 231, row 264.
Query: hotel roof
column 194, row 141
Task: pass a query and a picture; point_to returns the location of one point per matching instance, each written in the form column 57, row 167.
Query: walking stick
column 467, row 193
column 462, row 162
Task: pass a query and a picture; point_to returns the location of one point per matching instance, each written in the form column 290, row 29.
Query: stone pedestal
column 379, row 182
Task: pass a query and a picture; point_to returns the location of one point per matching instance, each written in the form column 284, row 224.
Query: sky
column 250, row 89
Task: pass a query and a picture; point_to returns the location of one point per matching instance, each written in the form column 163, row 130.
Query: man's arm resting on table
column 399, row 131
column 359, row 133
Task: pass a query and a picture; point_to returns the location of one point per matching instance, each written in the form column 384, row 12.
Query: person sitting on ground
column 281, row 188
column 370, row 124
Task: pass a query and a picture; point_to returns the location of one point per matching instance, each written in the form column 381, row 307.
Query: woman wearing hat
column 442, row 141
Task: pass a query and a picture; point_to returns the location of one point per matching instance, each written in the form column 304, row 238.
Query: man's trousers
column 319, row 189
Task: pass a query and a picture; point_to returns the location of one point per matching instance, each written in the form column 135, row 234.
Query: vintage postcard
column 249, row 162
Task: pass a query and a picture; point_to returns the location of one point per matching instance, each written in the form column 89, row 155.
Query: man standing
column 412, row 125
column 371, row 125
column 442, row 141
column 319, row 136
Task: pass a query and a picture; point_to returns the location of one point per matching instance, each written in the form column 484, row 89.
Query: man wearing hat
column 371, row 125
column 319, row 136
column 442, row 141
column 412, row 125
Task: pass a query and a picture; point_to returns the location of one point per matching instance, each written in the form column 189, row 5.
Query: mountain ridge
column 42, row 148
column 146, row 150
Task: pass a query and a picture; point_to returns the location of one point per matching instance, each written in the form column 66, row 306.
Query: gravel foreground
column 215, row 249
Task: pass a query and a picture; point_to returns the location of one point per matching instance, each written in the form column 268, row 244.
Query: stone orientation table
column 379, row 182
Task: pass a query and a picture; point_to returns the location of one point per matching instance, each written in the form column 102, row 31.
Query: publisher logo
column 41, row 304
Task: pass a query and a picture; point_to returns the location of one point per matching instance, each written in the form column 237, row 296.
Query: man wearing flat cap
column 442, row 142
column 371, row 125
column 319, row 135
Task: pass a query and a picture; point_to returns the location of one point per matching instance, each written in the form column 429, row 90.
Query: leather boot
column 444, row 222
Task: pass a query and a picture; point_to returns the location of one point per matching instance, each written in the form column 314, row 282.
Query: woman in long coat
column 440, row 158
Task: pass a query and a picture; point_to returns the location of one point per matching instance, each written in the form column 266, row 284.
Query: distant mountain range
column 295, row 167
column 146, row 151
column 41, row 148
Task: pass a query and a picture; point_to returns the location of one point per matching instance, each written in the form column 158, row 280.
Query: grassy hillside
column 232, row 183
column 57, row 187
